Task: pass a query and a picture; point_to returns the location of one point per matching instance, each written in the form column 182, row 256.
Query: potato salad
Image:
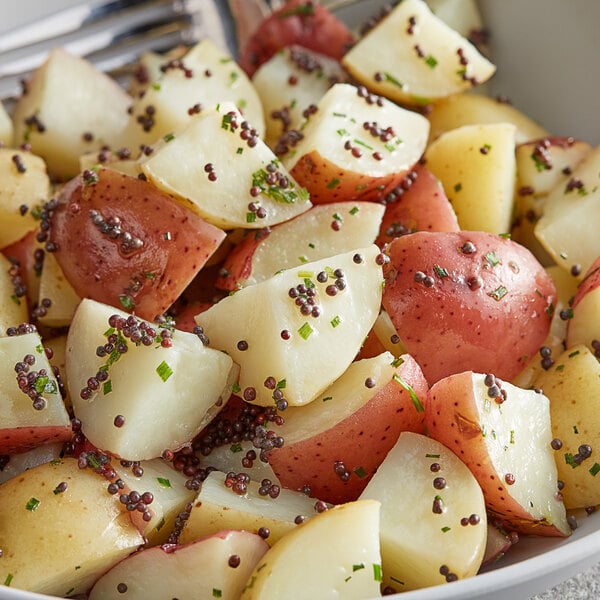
column 310, row 322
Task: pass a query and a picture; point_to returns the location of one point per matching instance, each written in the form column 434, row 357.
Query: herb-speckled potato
column 467, row 300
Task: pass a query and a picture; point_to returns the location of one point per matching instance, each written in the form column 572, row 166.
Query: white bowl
column 547, row 56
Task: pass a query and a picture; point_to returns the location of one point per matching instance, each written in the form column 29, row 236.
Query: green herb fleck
column 169, row 137
column 411, row 392
column 236, row 447
column 431, row 61
column 305, row 9
column 8, row 580
column 446, row 529
column 227, row 122
column 377, row 574
column 389, row 78
column 32, row 504
column 594, row 469
column 457, row 187
column 336, row 321
column 164, row 370
column 335, row 182
column 217, row 593
column 440, row 271
column 492, row 259
column 305, row 331
column 358, row 567
column 570, row 460
column 107, row 387
column 164, row 482
column 498, row 293
column 360, row 472
column 354, row 210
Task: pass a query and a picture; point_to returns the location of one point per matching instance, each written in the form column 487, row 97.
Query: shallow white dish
column 546, row 52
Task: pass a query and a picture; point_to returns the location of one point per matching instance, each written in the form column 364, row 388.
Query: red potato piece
column 350, row 428
column 488, row 308
column 503, row 434
column 356, row 146
column 175, row 242
column 20, row 439
column 301, row 22
column 199, row 569
column 424, row 206
column 583, row 327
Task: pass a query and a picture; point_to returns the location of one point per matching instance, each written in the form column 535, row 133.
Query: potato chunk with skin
column 60, row 529
column 503, row 434
column 70, row 108
column 153, row 397
column 25, row 185
column 356, row 146
column 477, row 167
column 340, row 558
column 426, row 493
column 467, row 300
column 290, row 350
column 573, row 386
column 413, row 56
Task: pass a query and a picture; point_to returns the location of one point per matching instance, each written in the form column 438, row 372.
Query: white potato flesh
column 318, row 349
column 166, row 395
column 16, row 406
column 218, row 507
column 506, row 445
column 476, row 166
column 6, row 127
column 416, row 62
column 177, row 166
column 573, row 386
column 59, row 542
column 476, row 109
column 69, row 97
column 341, row 399
column 207, row 76
column 200, row 569
column 573, row 207
column 29, row 188
column 290, row 81
column 55, row 287
column 170, row 496
column 547, row 162
column 584, row 325
column 310, row 236
column 13, row 310
column 335, row 556
column 416, row 539
column 339, row 119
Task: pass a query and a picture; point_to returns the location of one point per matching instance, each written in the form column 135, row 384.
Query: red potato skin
column 465, row 320
column 361, row 441
column 316, row 173
column 237, row 267
column 20, row 439
column 424, row 206
column 176, row 243
column 300, row 22
column 452, row 418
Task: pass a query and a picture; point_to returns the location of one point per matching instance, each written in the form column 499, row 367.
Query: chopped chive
column 32, row 504
column 164, row 370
